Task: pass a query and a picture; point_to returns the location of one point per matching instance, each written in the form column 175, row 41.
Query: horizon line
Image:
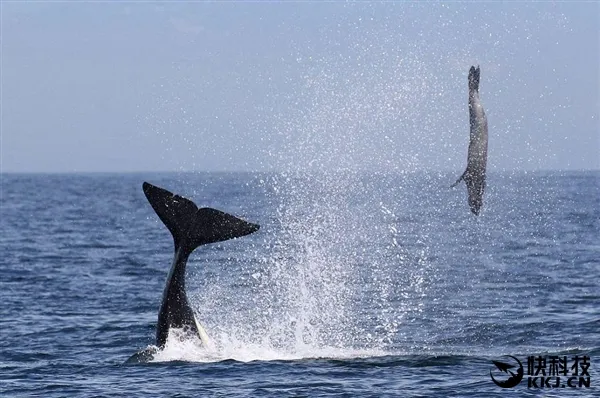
column 75, row 172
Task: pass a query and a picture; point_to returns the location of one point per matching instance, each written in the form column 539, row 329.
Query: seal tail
column 474, row 79
column 190, row 226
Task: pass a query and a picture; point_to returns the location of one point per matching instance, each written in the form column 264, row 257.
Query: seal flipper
column 462, row 177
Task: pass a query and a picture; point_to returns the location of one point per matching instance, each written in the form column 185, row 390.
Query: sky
column 261, row 85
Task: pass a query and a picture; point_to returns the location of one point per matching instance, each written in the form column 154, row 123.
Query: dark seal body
column 474, row 175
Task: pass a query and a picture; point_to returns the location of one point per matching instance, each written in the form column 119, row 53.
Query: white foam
column 232, row 348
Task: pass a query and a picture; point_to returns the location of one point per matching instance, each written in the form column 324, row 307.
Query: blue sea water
column 357, row 284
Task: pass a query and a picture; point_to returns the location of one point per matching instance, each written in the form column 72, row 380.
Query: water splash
column 338, row 271
column 232, row 347
column 329, row 280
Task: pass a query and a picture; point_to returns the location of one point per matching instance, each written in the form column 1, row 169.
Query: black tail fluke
column 190, row 226
column 176, row 212
column 212, row 225
column 474, row 79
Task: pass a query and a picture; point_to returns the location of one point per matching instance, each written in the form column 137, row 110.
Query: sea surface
column 356, row 285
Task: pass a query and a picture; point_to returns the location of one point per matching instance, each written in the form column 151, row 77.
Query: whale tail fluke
column 190, row 226
column 474, row 79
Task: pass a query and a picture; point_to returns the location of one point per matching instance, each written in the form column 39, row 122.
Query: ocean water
column 357, row 284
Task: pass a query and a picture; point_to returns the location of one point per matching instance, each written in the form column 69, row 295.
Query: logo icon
column 505, row 368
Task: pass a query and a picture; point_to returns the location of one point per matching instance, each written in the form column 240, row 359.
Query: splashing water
column 233, row 348
column 325, row 282
column 326, row 279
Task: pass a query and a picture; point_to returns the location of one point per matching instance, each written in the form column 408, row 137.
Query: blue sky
column 148, row 86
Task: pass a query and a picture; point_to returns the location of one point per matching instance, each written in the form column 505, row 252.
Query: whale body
column 190, row 227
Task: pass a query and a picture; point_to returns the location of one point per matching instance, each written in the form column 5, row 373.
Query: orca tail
column 474, row 79
column 192, row 227
column 462, row 177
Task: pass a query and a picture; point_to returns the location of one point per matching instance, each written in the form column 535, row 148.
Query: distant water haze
column 296, row 85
